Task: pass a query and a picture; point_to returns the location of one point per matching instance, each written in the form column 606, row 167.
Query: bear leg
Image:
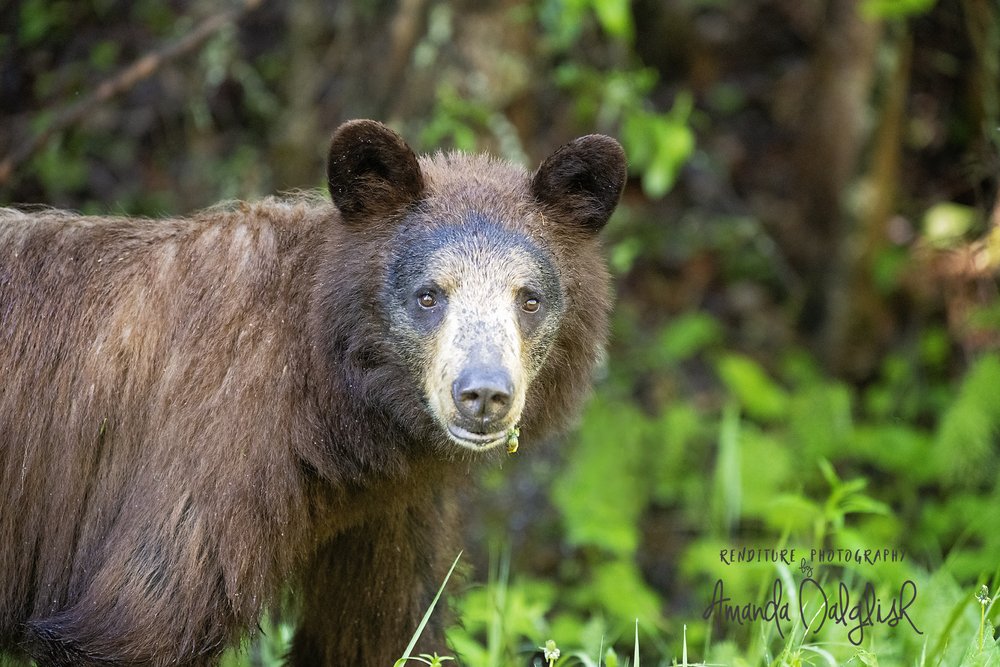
column 367, row 589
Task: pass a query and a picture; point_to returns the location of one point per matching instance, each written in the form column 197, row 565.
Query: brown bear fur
column 198, row 413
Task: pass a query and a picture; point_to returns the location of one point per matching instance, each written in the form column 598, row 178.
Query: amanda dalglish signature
column 817, row 606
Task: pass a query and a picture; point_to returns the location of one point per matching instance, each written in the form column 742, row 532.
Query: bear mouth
column 476, row 441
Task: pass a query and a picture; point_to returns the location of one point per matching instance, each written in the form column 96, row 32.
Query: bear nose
column 483, row 394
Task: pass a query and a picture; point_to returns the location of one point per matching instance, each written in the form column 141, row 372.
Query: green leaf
column 867, row 658
column 619, row 588
column 895, row 448
column 673, row 143
column 466, row 646
column 946, row 223
column 624, row 253
column 757, row 393
column 767, row 467
column 793, row 513
column 599, row 494
column 890, row 268
column 686, row 336
column 104, row 55
column 615, row 17
column 968, row 431
column 820, row 419
column 678, row 438
column 894, row 9
column 727, row 494
column 635, row 654
column 427, row 615
column 658, row 144
column 40, row 18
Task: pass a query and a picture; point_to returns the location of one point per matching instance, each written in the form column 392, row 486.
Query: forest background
column 805, row 348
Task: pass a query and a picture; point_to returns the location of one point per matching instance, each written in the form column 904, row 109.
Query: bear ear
column 371, row 171
column 582, row 181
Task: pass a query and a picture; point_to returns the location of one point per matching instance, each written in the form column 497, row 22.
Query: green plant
column 658, row 142
column 432, row 660
column 789, row 456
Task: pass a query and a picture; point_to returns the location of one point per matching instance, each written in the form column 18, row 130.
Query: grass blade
column 636, row 653
column 427, row 615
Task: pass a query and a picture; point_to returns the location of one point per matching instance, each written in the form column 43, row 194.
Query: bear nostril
column 483, row 394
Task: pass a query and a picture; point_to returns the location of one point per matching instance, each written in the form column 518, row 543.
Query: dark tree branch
column 141, row 69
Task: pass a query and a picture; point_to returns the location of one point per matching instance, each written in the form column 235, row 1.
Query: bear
column 274, row 403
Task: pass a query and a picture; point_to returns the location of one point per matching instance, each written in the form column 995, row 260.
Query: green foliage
column 967, row 437
column 423, row 623
column 40, row 18
column 727, row 491
column 456, row 122
column 608, row 459
column 499, row 618
column 617, row 587
column 659, row 144
column 792, row 454
column 434, row 660
column 615, row 99
column 946, row 223
column 756, row 392
column 895, row 9
column 566, row 20
column 686, row 336
column 57, row 170
column 267, row 650
column 104, row 55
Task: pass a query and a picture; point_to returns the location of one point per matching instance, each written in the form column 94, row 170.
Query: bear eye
column 426, row 300
column 531, row 305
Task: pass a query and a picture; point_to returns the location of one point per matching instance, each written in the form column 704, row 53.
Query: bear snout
column 483, row 396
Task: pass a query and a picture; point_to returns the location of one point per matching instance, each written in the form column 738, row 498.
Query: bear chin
column 478, row 442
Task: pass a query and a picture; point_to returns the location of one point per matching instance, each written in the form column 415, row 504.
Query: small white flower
column 550, row 650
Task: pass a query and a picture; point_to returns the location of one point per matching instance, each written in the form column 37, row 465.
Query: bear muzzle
column 483, row 397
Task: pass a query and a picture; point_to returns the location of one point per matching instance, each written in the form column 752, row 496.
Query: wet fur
column 198, row 413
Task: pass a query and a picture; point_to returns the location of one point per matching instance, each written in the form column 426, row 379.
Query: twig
column 141, row 69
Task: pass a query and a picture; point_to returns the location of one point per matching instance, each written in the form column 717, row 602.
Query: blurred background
column 805, row 348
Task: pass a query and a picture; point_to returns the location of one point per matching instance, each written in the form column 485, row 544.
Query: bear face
column 475, row 308
column 476, row 272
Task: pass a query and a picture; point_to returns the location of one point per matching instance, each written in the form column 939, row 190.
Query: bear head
column 490, row 291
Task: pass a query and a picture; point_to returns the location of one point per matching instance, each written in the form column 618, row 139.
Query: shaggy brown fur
column 195, row 413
